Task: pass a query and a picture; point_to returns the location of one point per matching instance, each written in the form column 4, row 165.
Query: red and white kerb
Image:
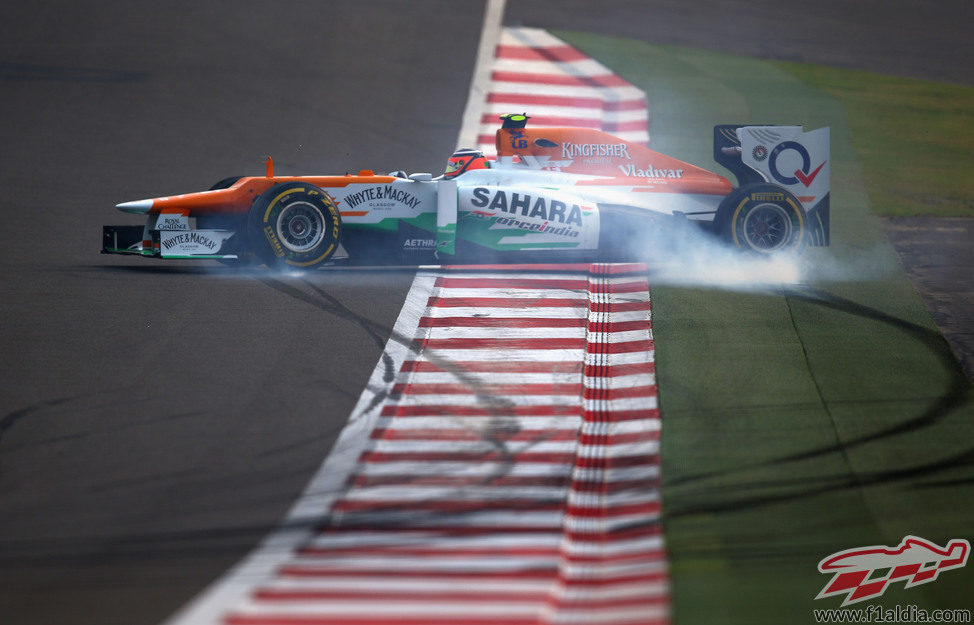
column 504, row 472
column 536, row 73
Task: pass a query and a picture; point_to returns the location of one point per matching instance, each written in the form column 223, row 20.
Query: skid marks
column 507, row 474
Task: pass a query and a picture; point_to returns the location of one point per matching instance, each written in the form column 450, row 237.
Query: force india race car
column 565, row 191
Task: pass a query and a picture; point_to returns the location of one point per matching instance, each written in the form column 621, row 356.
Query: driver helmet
column 464, row 159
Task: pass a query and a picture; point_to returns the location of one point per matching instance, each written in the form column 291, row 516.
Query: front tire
column 762, row 218
column 294, row 225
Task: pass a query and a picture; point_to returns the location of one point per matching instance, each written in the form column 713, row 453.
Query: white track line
column 536, row 73
column 506, row 515
column 235, row 586
column 477, row 97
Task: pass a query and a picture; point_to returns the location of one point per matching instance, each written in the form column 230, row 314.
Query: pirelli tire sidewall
column 762, row 218
column 294, row 224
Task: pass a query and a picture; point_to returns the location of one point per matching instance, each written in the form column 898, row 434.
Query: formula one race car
column 564, row 191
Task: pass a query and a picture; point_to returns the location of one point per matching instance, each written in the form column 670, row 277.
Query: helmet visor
column 457, row 164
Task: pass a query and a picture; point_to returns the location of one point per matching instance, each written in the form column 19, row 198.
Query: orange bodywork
column 623, row 163
column 616, row 162
column 236, row 200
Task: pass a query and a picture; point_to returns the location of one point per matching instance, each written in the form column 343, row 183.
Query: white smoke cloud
column 685, row 254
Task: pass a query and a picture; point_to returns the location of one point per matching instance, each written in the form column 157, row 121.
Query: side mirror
column 421, row 177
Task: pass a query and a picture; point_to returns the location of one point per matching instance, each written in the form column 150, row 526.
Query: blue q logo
column 800, row 175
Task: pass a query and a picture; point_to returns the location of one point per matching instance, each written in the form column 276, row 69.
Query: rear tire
column 294, row 225
column 762, row 218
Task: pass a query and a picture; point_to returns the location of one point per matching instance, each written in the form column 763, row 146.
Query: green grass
column 802, row 420
column 914, row 138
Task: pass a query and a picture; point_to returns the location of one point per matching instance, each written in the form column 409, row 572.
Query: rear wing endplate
column 786, row 156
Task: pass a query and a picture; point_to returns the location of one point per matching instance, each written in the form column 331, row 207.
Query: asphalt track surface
column 157, row 418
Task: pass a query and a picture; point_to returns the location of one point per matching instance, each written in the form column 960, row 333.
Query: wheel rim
column 301, row 226
column 767, row 227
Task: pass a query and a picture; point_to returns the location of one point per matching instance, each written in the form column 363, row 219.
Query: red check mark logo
column 808, row 179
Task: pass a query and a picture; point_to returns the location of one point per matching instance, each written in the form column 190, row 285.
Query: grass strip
column 913, row 137
column 804, row 419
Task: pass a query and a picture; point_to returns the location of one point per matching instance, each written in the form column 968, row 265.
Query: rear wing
column 786, row 156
